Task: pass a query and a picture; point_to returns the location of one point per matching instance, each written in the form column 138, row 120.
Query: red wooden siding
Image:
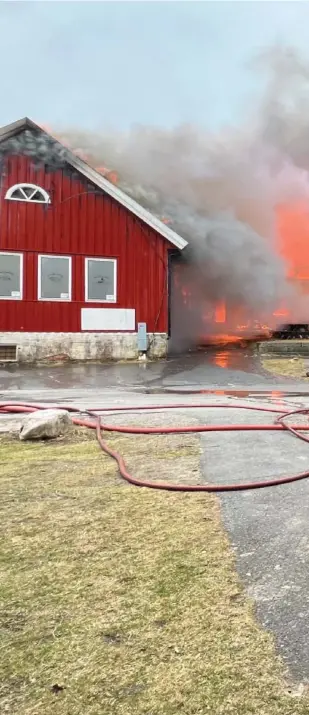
column 79, row 224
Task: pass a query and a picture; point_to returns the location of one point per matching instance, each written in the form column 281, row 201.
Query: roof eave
column 10, row 129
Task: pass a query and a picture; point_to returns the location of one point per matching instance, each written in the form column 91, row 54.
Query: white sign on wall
column 111, row 319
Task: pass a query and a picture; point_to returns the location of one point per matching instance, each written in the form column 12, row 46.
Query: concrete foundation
column 284, row 347
column 36, row 347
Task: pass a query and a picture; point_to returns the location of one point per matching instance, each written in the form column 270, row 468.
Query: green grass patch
column 123, row 601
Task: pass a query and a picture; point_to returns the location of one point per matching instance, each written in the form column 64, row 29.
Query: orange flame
column 293, row 237
column 112, row 176
column 220, row 313
column 280, row 313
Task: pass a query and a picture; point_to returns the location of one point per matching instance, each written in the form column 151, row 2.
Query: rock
column 45, row 424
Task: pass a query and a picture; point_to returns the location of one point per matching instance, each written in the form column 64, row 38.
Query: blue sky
column 92, row 64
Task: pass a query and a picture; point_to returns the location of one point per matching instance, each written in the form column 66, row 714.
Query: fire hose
column 93, row 421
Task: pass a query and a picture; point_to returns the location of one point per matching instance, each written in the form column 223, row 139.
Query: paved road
column 269, row 529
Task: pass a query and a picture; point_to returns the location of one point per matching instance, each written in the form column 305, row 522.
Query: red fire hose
column 95, row 423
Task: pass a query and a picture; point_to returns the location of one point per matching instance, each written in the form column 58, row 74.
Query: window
column 54, row 277
column 11, row 276
column 28, row 192
column 101, row 280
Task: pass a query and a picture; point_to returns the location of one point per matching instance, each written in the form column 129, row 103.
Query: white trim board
column 108, row 319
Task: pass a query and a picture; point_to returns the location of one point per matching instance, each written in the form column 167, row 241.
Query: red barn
column 82, row 265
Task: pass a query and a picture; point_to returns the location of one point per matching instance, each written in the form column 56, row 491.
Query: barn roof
column 96, row 178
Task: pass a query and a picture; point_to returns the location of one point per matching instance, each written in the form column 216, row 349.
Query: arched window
column 28, row 192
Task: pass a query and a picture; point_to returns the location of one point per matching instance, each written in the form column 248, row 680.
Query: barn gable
column 15, row 138
column 85, row 271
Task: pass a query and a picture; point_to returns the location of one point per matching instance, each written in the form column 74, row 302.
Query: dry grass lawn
column 288, row 367
column 122, row 601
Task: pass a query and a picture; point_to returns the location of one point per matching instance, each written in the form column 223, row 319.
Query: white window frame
column 27, row 200
column 21, row 275
column 98, row 300
column 54, row 300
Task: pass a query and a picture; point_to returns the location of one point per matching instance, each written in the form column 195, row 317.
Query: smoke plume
column 219, row 191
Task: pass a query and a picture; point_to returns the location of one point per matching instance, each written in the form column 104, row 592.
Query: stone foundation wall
column 34, row 347
column 284, row 347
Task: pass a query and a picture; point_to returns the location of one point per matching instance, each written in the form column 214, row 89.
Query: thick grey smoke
column 217, row 196
column 220, row 192
column 284, row 111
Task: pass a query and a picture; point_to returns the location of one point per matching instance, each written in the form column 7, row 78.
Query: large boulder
column 45, row 424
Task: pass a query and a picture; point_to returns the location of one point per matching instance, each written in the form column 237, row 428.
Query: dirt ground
column 122, row 600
